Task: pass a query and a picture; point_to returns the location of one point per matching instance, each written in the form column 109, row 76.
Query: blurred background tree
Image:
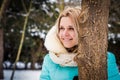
column 3, row 8
column 43, row 16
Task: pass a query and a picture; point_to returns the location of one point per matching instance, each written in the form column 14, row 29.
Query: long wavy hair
column 77, row 15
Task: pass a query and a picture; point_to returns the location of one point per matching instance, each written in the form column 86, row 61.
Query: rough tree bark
column 92, row 48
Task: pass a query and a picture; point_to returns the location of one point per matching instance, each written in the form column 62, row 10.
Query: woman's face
column 67, row 32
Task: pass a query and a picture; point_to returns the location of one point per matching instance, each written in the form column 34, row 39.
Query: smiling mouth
column 67, row 39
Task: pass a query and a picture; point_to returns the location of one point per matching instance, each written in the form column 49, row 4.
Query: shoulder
column 111, row 60
column 111, row 57
column 48, row 61
column 113, row 72
column 110, row 54
column 47, row 58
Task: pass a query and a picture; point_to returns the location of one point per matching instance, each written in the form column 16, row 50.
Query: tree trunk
column 92, row 47
column 3, row 8
column 33, row 59
column 2, row 23
column 1, row 53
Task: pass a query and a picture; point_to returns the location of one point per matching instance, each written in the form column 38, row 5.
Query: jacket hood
column 52, row 42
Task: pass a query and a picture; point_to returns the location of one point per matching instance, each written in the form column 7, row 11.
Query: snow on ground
column 22, row 74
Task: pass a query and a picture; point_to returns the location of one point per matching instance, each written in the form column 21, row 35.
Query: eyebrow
column 70, row 26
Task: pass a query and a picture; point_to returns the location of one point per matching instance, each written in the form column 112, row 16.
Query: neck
column 72, row 49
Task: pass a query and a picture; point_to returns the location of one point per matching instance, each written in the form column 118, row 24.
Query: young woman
column 61, row 42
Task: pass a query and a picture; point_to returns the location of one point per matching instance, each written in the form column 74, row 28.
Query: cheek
column 59, row 35
column 77, row 39
column 75, row 36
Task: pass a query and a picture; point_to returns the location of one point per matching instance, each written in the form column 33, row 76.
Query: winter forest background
column 39, row 18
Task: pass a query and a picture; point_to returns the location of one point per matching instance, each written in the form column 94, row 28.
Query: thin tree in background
column 22, row 40
column 61, row 4
column 92, row 52
column 1, row 53
column 2, row 21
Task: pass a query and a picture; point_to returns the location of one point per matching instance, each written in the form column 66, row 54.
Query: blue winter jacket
column 52, row 71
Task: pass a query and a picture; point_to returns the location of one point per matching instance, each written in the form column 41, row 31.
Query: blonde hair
column 77, row 14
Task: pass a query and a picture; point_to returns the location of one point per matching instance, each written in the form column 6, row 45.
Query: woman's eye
column 61, row 28
column 71, row 28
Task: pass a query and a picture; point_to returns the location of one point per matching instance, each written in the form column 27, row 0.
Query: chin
column 68, row 46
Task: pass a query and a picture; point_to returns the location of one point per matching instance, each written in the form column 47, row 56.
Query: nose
column 66, row 32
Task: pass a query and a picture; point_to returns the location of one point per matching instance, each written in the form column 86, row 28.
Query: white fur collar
column 52, row 42
column 63, row 59
column 57, row 52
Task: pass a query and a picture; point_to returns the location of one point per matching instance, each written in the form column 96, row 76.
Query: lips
column 67, row 40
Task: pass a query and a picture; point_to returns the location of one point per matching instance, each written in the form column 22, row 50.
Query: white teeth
column 67, row 39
